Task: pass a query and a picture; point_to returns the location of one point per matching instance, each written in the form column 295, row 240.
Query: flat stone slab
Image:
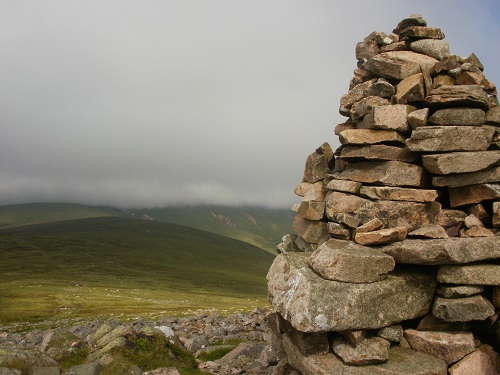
column 398, row 193
column 353, row 211
column 389, row 173
column 472, row 274
column 458, row 116
column 450, row 138
column 465, row 179
column 401, row 362
column 348, row 262
column 460, row 162
column 398, row 64
column 381, row 236
column 429, row 231
column 456, row 291
column 458, row 96
column 449, row 346
column 463, row 309
column 312, row 304
column 377, row 152
column 369, row 137
column 471, row 194
column 452, row 250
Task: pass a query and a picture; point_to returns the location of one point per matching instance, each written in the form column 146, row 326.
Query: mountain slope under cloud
column 111, row 264
column 262, row 227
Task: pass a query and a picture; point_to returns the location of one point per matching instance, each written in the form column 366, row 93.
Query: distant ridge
column 260, row 226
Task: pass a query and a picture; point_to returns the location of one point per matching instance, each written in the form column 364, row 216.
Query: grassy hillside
column 37, row 213
column 109, row 264
column 262, row 227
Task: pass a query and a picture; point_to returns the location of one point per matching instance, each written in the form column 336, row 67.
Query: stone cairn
column 395, row 267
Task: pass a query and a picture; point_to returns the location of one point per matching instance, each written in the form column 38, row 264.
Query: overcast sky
column 141, row 103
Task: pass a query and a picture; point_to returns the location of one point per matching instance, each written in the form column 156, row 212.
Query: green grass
column 37, row 213
column 259, row 226
column 262, row 227
column 113, row 265
column 149, row 354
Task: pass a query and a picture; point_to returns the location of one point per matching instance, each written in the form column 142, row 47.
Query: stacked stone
column 416, row 181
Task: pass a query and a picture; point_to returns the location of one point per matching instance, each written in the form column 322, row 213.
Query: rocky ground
column 235, row 344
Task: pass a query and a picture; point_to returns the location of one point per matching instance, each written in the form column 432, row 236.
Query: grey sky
column 140, row 103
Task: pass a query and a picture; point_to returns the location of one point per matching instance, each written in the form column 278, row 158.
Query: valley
column 62, row 261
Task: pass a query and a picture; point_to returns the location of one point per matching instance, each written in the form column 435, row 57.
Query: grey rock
column 370, row 137
column 345, row 261
column 410, row 89
column 380, row 88
column 401, row 362
column 444, row 251
column 287, row 244
column 418, row 118
column 365, row 105
column 163, row 371
column 431, row 323
column 354, row 211
column 460, row 162
column 464, row 179
column 449, row 346
column 422, row 32
column 493, row 116
column 458, row 116
column 429, row 231
column 471, row 274
column 312, row 231
column 463, row 309
column 414, row 20
column 312, row 304
column 10, row 371
column 338, row 231
column 450, row 138
column 388, row 117
column 398, row 64
column 311, row 210
column 54, row 370
column 398, row 193
column 381, row 236
column 368, row 351
column 438, row 49
column 458, row 96
column 377, row 152
column 316, row 168
column 482, row 361
column 392, row 333
column 465, row 195
column 366, row 49
column 93, row 368
column 389, row 173
column 344, row 185
column 496, row 214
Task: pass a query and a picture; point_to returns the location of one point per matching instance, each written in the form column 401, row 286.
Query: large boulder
column 312, row 304
column 346, row 261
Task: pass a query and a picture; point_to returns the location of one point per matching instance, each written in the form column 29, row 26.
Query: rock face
column 404, row 222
